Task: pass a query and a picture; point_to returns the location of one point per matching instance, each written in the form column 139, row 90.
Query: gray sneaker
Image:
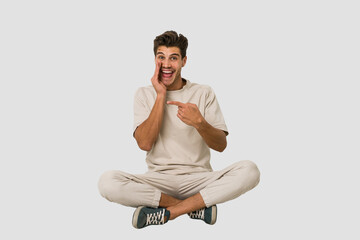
column 145, row 216
column 208, row 215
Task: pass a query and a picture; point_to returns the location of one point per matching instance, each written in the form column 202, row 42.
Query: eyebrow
column 176, row 54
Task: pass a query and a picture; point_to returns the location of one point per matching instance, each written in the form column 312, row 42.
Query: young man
column 177, row 122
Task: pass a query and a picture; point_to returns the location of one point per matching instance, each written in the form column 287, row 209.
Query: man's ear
column 184, row 61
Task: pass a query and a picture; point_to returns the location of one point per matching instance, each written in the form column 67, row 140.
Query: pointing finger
column 179, row 104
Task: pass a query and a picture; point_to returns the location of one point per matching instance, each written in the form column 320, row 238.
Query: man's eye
column 161, row 57
column 174, row 58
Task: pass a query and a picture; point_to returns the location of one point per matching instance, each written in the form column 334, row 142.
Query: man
column 177, row 122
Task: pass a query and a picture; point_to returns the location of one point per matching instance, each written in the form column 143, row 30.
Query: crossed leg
column 199, row 190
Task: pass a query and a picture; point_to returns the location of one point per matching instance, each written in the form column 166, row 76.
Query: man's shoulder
column 201, row 88
column 145, row 91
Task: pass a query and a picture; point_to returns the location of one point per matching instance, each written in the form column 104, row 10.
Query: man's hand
column 188, row 113
column 160, row 88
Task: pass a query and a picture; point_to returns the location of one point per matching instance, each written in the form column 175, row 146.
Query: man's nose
column 166, row 63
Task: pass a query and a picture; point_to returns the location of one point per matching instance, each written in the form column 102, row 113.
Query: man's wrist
column 161, row 96
column 200, row 124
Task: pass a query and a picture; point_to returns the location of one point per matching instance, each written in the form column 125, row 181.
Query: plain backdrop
column 286, row 74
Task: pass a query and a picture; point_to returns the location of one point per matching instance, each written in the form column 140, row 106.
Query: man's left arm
column 190, row 114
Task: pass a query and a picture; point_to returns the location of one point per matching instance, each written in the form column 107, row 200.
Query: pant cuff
column 205, row 198
column 156, row 199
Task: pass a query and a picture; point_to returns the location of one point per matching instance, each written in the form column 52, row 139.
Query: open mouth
column 167, row 73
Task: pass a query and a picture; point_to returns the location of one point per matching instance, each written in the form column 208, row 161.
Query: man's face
column 171, row 64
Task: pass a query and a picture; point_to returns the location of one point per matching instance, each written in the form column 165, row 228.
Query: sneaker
column 145, row 216
column 208, row 215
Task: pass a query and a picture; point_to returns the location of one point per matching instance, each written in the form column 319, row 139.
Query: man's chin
column 167, row 82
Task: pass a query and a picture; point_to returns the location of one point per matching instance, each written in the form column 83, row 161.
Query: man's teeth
column 167, row 71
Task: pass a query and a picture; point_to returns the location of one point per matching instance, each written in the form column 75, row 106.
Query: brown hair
column 171, row 39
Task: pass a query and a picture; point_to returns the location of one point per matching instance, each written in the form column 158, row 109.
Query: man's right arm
column 147, row 133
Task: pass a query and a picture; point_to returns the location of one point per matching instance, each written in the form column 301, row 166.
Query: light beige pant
column 145, row 189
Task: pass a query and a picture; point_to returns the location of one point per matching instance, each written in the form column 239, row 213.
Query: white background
column 286, row 76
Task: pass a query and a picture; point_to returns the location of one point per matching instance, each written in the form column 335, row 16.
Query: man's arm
column 214, row 138
column 147, row 133
column 190, row 114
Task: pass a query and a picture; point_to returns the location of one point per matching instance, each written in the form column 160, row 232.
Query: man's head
column 170, row 53
column 171, row 39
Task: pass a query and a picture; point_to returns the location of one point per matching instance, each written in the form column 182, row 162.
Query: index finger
column 179, row 104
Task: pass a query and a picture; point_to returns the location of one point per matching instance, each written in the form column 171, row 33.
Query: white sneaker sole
column 213, row 215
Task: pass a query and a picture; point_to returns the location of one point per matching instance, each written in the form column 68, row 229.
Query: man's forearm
column 147, row 133
column 214, row 138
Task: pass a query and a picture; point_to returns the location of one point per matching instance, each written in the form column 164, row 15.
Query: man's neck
column 179, row 85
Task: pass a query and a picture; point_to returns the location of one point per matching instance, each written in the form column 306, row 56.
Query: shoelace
column 155, row 218
column 198, row 214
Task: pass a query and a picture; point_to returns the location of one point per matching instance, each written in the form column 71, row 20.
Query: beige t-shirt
column 179, row 148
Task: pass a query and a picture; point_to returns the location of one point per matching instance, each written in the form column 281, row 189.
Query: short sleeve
column 141, row 109
column 213, row 114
